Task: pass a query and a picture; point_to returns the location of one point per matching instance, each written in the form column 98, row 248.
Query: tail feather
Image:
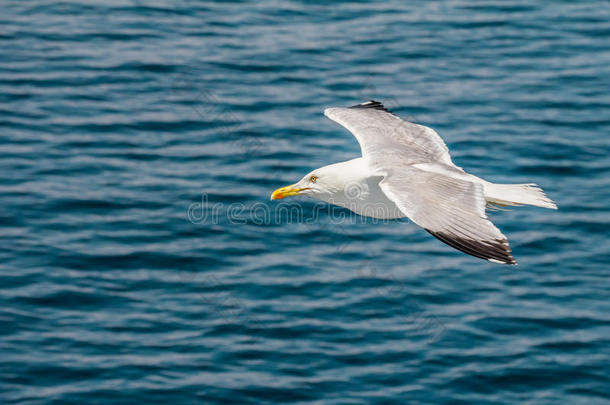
column 517, row 194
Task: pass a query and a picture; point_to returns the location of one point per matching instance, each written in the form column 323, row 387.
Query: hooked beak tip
column 276, row 196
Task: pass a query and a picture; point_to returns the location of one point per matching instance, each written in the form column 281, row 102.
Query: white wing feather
column 383, row 135
column 452, row 210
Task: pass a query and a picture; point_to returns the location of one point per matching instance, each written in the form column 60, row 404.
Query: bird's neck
column 350, row 180
column 358, row 190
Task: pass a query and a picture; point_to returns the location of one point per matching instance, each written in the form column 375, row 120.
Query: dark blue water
column 142, row 262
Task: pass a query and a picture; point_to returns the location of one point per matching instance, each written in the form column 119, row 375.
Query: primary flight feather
column 406, row 171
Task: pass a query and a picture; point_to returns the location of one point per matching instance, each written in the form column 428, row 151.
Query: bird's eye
column 313, row 179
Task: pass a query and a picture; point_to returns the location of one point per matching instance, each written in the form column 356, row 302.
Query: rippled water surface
column 142, row 262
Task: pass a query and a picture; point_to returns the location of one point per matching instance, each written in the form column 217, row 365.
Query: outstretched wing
column 383, row 136
column 452, row 210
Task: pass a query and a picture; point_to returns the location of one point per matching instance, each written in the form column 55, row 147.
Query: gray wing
column 383, row 136
column 452, row 210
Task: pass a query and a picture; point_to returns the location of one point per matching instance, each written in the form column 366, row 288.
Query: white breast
column 366, row 198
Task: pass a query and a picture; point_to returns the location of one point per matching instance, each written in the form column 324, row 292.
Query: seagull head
column 326, row 183
column 318, row 183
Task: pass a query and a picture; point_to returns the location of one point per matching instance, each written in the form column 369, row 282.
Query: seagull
column 405, row 171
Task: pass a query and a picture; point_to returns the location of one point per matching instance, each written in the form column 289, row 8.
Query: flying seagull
column 406, row 171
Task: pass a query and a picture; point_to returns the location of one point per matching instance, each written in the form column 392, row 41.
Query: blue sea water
column 142, row 261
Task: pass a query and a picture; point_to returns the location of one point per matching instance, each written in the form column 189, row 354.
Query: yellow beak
column 287, row 191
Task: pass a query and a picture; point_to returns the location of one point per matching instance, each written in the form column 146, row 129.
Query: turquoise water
column 142, row 261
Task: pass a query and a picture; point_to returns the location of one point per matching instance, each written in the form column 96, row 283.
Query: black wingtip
column 496, row 251
column 372, row 104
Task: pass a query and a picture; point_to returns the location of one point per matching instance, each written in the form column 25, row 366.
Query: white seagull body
column 406, row 171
